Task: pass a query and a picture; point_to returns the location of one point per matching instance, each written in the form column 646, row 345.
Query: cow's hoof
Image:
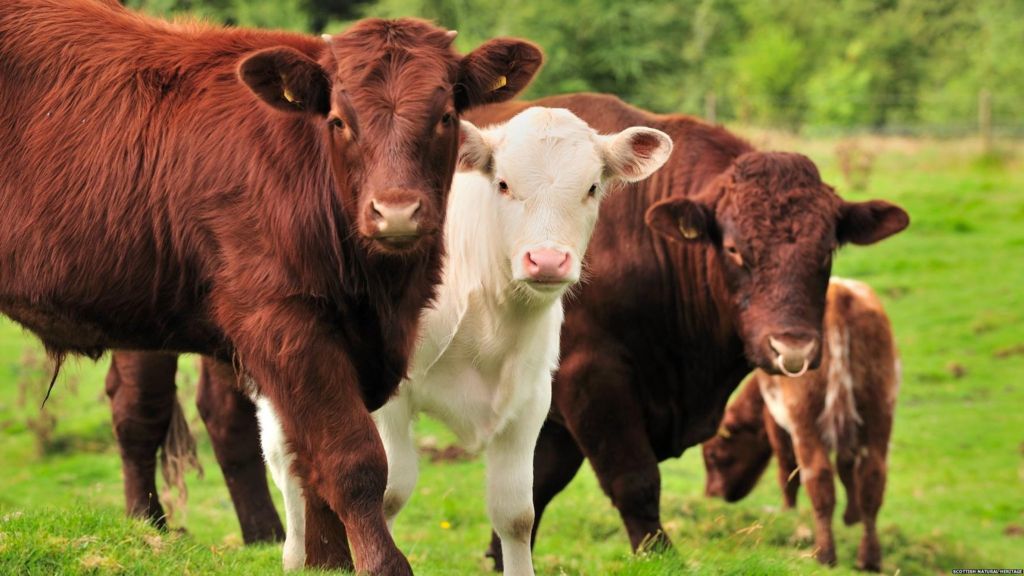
column 826, row 556
column 869, row 557
column 397, row 565
column 851, row 516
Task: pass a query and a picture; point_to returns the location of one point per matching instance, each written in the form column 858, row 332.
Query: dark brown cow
column 717, row 263
column 267, row 198
column 845, row 406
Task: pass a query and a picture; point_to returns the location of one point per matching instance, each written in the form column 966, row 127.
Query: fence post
column 985, row 120
column 709, row 107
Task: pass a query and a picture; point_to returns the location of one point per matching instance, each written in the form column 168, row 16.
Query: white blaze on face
column 548, row 172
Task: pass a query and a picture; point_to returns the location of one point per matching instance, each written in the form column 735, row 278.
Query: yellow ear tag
column 501, row 82
column 287, row 94
column 724, row 432
column 688, row 232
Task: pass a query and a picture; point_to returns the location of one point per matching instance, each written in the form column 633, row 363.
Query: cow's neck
column 379, row 321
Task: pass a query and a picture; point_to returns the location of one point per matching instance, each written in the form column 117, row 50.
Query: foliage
column 891, row 65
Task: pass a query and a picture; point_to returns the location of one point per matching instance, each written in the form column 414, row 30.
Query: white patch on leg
column 279, row 461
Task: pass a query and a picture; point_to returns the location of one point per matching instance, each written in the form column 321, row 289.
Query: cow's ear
column 496, row 71
column 475, row 150
column 871, row 221
column 635, row 153
column 681, row 219
column 287, row 80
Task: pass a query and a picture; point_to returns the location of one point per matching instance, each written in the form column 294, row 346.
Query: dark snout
column 714, row 486
column 396, row 219
column 726, row 476
column 792, row 353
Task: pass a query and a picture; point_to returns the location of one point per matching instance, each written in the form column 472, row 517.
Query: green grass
column 954, row 287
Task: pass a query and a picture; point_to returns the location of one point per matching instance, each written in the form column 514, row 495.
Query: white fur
column 775, row 400
column 490, row 343
column 840, row 406
column 279, row 461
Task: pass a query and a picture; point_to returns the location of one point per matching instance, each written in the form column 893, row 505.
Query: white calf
column 520, row 216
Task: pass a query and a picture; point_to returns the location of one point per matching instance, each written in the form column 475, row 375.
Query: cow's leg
column 230, row 419
column 624, row 461
column 141, row 390
column 279, row 461
column 816, row 476
column 326, row 543
column 782, row 445
column 846, row 462
column 556, row 460
column 309, row 379
column 510, row 482
column 871, row 472
column 394, row 422
column 871, row 477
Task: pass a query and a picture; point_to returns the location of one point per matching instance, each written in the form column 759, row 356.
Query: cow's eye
column 503, row 186
column 335, row 122
column 446, row 120
column 593, row 191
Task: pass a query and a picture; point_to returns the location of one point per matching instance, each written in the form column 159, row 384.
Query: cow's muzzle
column 793, row 356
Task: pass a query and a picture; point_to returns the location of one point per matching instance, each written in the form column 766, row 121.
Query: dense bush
column 821, row 64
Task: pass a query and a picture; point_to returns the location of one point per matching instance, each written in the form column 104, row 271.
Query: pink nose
column 546, row 265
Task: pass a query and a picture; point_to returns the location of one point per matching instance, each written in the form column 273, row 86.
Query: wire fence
column 989, row 116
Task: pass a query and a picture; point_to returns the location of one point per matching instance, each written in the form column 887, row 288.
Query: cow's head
column 737, row 456
column 386, row 96
column 775, row 226
column 546, row 172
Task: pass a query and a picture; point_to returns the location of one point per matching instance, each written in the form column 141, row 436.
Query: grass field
column 954, row 287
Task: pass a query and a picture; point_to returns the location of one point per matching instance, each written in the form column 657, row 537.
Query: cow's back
column 119, row 135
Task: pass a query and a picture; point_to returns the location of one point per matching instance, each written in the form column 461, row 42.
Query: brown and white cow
column 845, row 406
column 716, row 264
column 268, row 198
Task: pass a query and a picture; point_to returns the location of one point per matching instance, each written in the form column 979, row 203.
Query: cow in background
column 266, row 198
column 519, row 220
column 845, row 406
column 716, row 264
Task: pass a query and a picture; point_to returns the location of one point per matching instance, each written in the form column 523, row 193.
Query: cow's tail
column 177, row 456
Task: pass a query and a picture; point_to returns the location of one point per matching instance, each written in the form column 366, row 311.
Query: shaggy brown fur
column 692, row 272
column 846, row 407
column 184, row 187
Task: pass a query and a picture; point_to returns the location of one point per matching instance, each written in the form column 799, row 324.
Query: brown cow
column 268, row 198
column 845, row 406
column 717, row 263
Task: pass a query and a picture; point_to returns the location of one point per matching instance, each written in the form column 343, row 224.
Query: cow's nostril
column 375, row 210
